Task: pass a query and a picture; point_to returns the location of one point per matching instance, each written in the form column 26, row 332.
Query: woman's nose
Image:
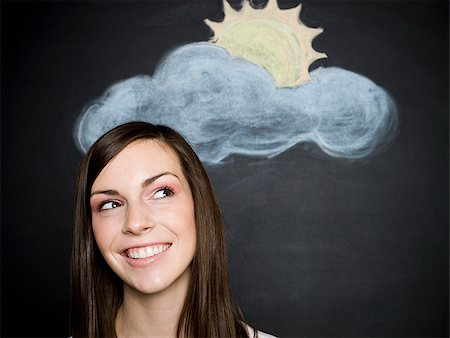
column 138, row 220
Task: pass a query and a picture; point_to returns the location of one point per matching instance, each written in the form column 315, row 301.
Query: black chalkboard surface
column 318, row 246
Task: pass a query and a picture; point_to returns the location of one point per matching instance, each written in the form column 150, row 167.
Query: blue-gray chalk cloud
column 225, row 105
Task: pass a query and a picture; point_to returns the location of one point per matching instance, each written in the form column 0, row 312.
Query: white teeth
column 147, row 251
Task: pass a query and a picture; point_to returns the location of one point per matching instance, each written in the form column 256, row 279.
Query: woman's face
column 143, row 217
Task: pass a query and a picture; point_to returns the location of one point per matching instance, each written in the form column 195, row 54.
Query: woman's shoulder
column 259, row 334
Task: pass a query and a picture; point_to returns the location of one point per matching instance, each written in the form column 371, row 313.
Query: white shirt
column 260, row 333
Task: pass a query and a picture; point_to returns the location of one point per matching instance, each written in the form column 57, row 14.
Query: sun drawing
column 273, row 38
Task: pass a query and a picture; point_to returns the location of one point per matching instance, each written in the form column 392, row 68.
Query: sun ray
column 273, row 38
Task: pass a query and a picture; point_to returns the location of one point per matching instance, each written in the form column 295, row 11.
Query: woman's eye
column 164, row 192
column 110, row 205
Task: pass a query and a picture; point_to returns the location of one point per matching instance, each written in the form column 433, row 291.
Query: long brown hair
column 209, row 310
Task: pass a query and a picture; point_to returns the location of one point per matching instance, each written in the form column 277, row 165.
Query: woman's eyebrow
column 146, row 183
column 150, row 180
column 106, row 192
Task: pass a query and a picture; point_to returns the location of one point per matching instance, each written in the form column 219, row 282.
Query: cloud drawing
column 225, row 105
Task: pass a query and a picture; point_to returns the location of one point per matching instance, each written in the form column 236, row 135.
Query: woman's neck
column 154, row 315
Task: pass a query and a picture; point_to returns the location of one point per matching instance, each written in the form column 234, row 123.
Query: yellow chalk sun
column 273, row 38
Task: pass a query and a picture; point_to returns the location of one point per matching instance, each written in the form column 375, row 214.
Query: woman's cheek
column 105, row 230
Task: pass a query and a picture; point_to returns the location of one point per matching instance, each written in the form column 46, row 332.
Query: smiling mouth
column 147, row 251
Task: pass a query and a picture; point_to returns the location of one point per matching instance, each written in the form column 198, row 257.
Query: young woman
column 148, row 255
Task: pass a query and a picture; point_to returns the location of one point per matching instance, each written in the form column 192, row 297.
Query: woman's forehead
column 147, row 155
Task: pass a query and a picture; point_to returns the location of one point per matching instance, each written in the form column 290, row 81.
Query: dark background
column 318, row 246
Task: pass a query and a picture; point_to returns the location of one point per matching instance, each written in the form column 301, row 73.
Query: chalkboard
column 318, row 246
